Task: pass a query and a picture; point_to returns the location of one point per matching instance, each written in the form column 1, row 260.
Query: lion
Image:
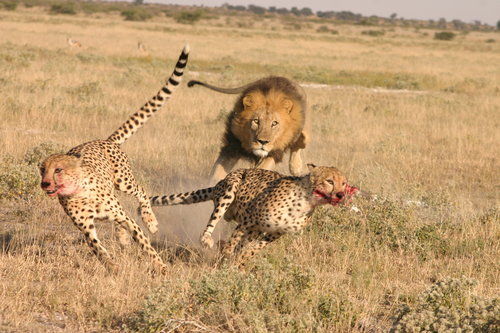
column 267, row 120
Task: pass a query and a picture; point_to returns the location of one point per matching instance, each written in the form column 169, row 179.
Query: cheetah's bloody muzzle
column 340, row 197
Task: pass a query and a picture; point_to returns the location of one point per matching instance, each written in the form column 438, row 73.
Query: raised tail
column 138, row 119
column 183, row 198
column 222, row 90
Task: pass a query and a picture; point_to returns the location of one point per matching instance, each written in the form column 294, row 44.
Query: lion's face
column 265, row 127
column 266, row 122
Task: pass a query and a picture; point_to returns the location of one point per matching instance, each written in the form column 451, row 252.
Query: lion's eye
column 274, row 123
column 57, row 170
column 42, row 170
column 344, row 184
column 255, row 121
column 331, row 182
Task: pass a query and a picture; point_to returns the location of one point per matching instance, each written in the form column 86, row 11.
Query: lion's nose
column 262, row 142
column 45, row 184
column 340, row 195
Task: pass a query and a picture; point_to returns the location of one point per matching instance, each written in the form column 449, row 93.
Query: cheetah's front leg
column 86, row 225
column 221, row 205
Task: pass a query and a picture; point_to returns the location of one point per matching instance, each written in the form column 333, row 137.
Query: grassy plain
column 405, row 116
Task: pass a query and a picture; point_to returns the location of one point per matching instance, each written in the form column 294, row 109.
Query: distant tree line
column 347, row 16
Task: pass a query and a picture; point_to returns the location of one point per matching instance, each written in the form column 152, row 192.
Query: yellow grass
column 435, row 141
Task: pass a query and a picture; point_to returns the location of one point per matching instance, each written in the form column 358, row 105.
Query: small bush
column 9, row 4
column 18, row 180
column 325, row 29
column 373, row 33
column 449, row 306
column 136, row 14
column 67, row 8
column 444, row 35
column 190, row 17
column 38, row 153
column 490, row 40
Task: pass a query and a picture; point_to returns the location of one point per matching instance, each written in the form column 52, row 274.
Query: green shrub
column 387, row 224
column 9, row 4
column 136, row 14
column 67, row 8
column 449, row 306
column 38, row 153
column 373, row 33
column 325, row 29
column 188, row 17
column 444, row 35
column 490, row 40
column 18, row 180
column 272, row 297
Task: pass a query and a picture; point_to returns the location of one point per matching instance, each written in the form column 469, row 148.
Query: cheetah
column 85, row 177
column 264, row 204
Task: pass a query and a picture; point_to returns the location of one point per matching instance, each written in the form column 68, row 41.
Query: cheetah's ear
column 311, row 167
column 247, row 101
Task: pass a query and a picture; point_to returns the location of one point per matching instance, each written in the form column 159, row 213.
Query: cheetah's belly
column 283, row 219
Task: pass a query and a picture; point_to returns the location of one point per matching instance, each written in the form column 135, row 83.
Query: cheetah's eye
column 274, row 123
column 57, row 170
column 331, row 182
column 255, row 121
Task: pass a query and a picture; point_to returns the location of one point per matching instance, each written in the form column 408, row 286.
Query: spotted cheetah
column 85, row 177
column 264, row 204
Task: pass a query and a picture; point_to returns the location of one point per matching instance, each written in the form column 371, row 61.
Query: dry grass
column 436, row 141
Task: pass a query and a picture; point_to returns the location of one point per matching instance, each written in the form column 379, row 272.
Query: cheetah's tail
column 138, row 119
column 183, row 198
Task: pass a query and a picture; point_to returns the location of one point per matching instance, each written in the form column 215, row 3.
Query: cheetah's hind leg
column 120, row 217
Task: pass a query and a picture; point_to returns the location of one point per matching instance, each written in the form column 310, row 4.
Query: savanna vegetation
column 409, row 117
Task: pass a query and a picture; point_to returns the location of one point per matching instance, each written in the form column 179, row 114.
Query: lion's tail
column 138, row 119
column 219, row 89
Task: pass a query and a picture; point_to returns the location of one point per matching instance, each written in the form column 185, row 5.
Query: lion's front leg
column 222, row 167
column 295, row 163
column 267, row 163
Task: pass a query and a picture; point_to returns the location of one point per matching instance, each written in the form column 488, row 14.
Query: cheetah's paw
column 207, row 241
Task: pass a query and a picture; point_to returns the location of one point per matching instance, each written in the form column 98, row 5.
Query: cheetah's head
column 328, row 184
column 60, row 174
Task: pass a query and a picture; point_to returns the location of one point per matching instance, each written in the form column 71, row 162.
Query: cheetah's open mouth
column 53, row 192
column 349, row 192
